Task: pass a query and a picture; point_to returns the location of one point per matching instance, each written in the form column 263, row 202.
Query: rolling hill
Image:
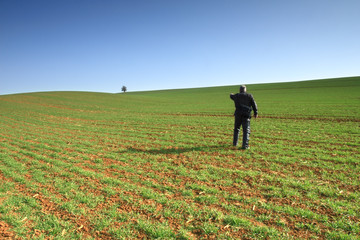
column 159, row 164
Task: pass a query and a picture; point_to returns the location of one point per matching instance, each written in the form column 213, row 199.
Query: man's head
column 242, row 88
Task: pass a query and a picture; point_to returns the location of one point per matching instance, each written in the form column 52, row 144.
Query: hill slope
column 79, row 165
column 307, row 97
column 328, row 98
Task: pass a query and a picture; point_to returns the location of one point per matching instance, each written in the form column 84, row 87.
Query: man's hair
column 242, row 88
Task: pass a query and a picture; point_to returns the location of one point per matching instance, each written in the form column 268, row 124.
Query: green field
column 159, row 164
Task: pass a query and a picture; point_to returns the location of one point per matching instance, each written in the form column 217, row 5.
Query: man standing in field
column 244, row 103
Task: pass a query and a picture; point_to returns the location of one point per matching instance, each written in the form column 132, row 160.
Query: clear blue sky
column 101, row 45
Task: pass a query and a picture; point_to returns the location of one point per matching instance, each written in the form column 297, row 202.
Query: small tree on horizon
column 124, row 89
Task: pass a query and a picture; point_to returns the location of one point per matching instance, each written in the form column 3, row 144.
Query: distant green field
column 159, row 164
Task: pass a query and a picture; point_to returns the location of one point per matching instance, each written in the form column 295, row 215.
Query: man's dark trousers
column 243, row 121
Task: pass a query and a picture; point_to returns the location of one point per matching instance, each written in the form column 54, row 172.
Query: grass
column 160, row 165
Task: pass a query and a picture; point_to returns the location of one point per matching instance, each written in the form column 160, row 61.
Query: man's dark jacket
column 244, row 103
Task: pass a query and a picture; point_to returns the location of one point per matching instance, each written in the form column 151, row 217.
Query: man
column 244, row 103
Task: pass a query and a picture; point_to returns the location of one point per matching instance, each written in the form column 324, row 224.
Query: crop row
column 160, row 191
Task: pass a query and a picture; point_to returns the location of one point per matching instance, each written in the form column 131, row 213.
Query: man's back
column 244, row 103
column 242, row 98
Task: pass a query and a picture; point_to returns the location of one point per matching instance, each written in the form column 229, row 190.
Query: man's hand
column 255, row 115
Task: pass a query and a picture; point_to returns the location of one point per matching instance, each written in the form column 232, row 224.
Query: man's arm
column 232, row 96
column 254, row 107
